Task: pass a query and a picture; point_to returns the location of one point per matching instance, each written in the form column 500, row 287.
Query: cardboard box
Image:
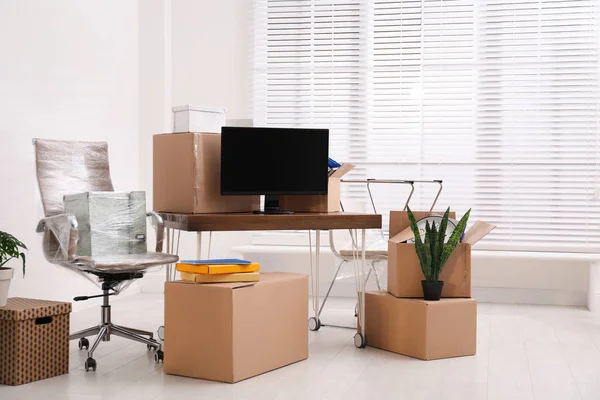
column 329, row 202
column 34, row 340
column 187, row 176
column 110, row 223
column 422, row 329
column 232, row 331
column 404, row 270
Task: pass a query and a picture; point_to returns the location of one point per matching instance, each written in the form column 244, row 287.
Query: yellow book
column 218, row 269
column 223, row 278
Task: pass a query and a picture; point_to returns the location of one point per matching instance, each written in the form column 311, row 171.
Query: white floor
column 523, row 352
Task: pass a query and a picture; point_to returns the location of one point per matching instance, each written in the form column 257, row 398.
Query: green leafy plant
column 10, row 248
column 433, row 253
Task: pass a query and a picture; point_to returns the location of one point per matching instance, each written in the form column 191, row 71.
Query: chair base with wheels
column 106, row 328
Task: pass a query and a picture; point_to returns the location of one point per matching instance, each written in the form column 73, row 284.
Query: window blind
column 499, row 98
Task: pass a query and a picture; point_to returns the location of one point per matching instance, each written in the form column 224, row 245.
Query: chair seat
column 369, row 254
column 125, row 262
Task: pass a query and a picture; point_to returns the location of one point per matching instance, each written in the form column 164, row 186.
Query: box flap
column 477, row 232
column 399, row 219
column 341, row 171
column 402, row 236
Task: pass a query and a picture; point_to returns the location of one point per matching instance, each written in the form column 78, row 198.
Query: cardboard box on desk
column 187, row 176
column 232, row 331
column 329, row 202
column 404, row 270
column 418, row 328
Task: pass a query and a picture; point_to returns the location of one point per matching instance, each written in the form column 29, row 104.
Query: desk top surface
column 270, row 222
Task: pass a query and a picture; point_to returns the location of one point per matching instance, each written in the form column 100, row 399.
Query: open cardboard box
column 404, row 270
column 329, row 202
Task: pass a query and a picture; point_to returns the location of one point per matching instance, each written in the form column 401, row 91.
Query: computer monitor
column 273, row 162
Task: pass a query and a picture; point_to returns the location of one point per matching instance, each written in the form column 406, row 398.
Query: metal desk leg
column 198, row 245
column 314, row 324
column 360, row 338
column 168, row 266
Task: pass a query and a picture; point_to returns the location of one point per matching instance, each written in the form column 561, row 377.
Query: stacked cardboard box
column 218, row 271
column 232, row 331
column 399, row 320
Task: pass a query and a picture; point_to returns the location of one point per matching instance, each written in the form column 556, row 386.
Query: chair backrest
column 68, row 167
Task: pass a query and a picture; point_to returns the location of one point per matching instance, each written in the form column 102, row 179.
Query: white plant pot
column 6, row 275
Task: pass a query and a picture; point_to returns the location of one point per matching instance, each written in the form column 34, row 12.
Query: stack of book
column 218, row 271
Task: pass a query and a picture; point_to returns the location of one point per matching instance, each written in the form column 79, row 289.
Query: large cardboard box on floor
column 404, row 270
column 187, row 176
column 422, row 329
column 232, row 331
column 329, row 202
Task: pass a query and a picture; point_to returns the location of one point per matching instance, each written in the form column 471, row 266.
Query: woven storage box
column 34, row 340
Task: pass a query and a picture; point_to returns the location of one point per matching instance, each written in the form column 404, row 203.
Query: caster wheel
column 161, row 332
column 159, row 356
column 149, row 347
column 360, row 341
column 90, row 364
column 83, row 344
column 314, row 324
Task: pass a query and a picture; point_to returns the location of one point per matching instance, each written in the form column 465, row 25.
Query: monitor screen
column 273, row 161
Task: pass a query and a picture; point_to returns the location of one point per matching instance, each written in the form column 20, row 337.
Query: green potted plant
column 435, row 251
column 10, row 247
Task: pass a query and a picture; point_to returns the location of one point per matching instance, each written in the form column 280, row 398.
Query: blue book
column 333, row 164
column 221, row 261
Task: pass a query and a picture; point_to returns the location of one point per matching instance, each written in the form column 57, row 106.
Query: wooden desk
column 301, row 221
column 270, row 222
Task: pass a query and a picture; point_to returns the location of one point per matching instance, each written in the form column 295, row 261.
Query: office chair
column 69, row 167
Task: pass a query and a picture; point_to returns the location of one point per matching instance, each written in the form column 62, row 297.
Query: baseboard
column 529, row 296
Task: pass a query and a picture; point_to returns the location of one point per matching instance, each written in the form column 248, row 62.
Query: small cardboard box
column 329, row 202
column 187, row 176
column 422, row 329
column 34, row 340
column 404, row 270
column 232, row 331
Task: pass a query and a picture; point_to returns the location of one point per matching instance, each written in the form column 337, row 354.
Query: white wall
column 211, row 52
column 69, row 70
column 192, row 52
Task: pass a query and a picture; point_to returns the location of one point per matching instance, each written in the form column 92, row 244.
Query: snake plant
column 433, row 253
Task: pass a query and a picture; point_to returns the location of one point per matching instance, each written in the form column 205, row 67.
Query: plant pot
column 6, row 275
column 432, row 290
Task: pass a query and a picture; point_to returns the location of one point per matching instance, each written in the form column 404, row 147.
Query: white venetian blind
column 538, row 120
column 498, row 98
column 421, row 120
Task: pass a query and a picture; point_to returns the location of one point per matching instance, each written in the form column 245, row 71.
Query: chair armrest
column 60, row 236
column 159, row 226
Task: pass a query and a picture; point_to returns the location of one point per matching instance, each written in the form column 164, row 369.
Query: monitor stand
column 272, row 206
